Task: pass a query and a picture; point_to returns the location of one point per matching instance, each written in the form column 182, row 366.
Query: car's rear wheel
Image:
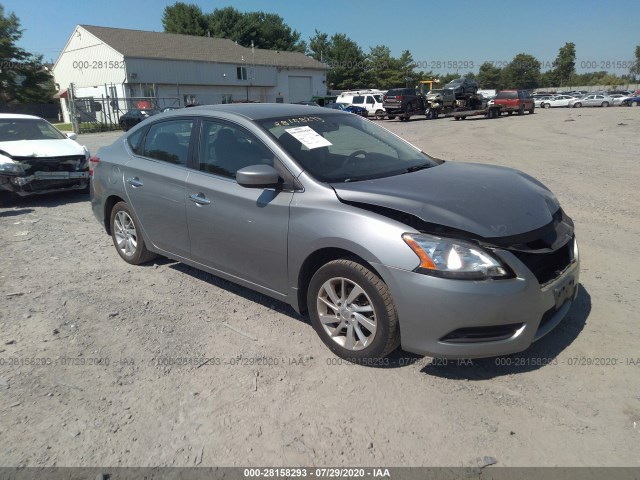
column 605, row 104
column 546, row 105
column 521, row 110
column 352, row 311
column 577, row 105
column 380, row 114
column 634, row 104
column 391, row 117
column 124, row 126
column 127, row 236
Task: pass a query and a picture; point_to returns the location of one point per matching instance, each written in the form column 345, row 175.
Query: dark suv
column 461, row 86
column 515, row 101
column 403, row 100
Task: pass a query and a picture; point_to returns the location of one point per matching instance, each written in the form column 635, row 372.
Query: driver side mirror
column 72, row 135
column 258, row 176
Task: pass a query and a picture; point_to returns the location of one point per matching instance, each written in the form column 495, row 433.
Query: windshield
column 336, row 148
column 456, row 81
column 434, row 92
column 12, row 129
column 507, row 94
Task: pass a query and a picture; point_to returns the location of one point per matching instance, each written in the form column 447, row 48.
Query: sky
column 443, row 36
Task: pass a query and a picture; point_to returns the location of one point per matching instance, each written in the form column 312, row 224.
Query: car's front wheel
column 124, row 126
column 634, row 104
column 577, row 105
column 127, row 236
column 352, row 311
column 380, row 114
column 605, row 104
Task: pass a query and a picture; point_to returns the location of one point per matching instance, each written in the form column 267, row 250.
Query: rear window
column 395, row 92
column 506, row 95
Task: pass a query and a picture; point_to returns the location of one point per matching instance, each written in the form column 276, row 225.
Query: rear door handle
column 134, row 182
column 200, row 199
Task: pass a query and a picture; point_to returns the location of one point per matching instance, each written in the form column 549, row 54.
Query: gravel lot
column 100, row 362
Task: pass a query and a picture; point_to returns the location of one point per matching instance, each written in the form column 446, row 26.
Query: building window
column 242, row 73
column 227, row 98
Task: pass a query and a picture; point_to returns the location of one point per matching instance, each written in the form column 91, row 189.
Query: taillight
column 93, row 161
column 384, row 98
column 400, row 97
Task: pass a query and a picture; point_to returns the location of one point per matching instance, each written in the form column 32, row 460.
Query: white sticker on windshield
column 308, row 137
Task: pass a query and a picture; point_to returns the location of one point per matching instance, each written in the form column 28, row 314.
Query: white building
column 115, row 69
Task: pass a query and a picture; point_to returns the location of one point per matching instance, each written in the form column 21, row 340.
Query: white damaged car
column 35, row 157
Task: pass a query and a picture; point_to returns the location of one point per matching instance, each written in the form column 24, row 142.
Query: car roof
column 19, row 115
column 253, row 111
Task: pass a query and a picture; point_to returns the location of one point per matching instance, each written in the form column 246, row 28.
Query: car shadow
column 540, row 354
column 47, row 200
column 234, row 288
column 15, row 212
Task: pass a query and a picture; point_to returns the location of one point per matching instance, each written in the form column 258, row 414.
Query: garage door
column 299, row 89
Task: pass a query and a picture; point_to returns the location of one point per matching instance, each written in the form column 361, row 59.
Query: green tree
column 260, row 29
column 23, row 78
column 634, row 71
column 347, row 64
column 522, row 72
column 489, row 76
column 564, row 66
column 319, row 46
column 184, row 18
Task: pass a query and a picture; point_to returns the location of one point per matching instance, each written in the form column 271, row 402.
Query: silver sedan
column 592, row 100
column 382, row 245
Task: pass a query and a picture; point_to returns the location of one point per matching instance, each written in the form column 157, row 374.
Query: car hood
column 42, row 148
column 484, row 200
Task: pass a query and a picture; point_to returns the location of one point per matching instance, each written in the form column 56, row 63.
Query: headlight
column 9, row 167
column 449, row 258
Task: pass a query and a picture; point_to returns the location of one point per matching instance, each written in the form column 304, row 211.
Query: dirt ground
column 100, row 362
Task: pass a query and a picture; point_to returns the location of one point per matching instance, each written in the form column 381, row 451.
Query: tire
column 127, row 236
column 521, row 110
column 509, row 113
column 391, row 117
column 546, row 105
column 124, row 126
column 531, row 110
column 634, row 104
column 605, row 104
column 577, row 105
column 380, row 114
column 366, row 325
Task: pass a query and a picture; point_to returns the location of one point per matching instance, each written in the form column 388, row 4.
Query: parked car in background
column 135, row 116
column 591, row 100
column 463, row 85
column 349, row 108
column 557, row 101
column 539, row 100
column 403, row 100
column 631, row 101
column 443, row 96
column 35, row 157
column 371, row 100
column 515, row 101
column 381, row 244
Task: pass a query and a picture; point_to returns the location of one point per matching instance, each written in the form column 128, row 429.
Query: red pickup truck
column 515, row 101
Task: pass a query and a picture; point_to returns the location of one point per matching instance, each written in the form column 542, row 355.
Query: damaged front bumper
column 43, row 175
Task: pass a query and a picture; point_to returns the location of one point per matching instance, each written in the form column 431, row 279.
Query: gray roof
column 173, row 46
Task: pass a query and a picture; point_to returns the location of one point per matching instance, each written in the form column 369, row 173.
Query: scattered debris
column 570, row 120
column 10, row 342
column 622, row 124
column 484, row 461
column 21, row 234
column 16, row 404
column 198, row 458
column 4, row 384
column 15, row 294
column 237, row 330
column 113, row 314
column 255, row 382
column 56, row 331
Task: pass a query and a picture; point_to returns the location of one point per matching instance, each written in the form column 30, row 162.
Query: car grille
column 72, row 163
column 547, row 266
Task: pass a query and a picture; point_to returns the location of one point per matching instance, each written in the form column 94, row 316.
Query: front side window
column 169, row 141
column 226, row 148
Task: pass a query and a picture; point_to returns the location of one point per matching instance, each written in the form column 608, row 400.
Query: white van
column 369, row 99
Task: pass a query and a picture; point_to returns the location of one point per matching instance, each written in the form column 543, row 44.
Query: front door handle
column 200, row 199
column 134, row 182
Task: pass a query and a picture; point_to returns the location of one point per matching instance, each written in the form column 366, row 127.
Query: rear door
column 237, row 230
column 154, row 181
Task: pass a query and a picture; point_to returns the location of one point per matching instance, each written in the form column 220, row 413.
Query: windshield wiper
column 415, row 168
